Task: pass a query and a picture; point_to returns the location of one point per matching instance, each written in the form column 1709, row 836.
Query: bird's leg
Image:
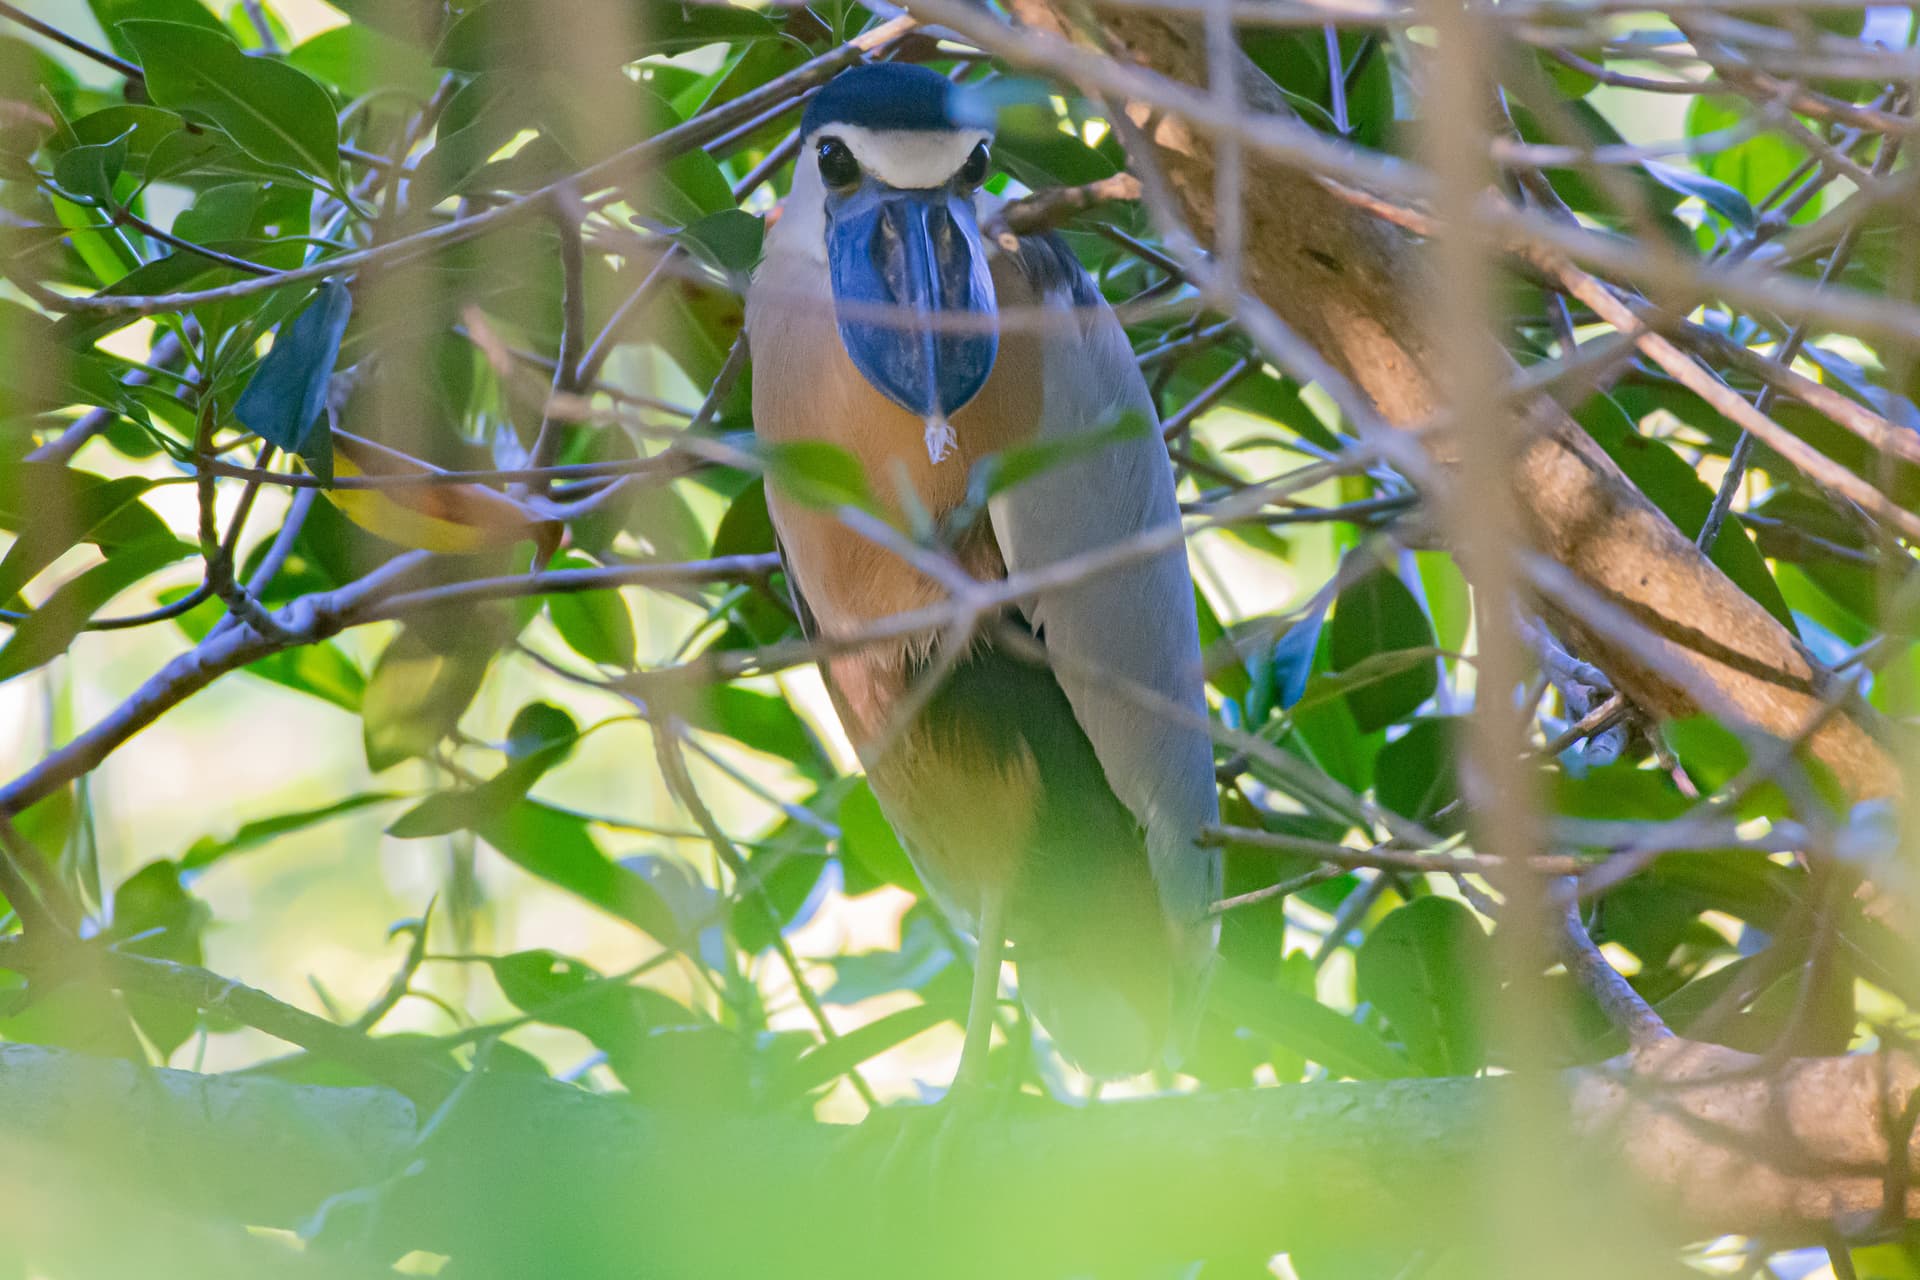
column 985, row 1000
column 922, row 1148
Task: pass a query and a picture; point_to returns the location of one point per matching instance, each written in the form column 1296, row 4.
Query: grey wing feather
column 1127, row 637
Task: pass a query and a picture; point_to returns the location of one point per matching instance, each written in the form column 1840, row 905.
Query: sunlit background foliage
column 547, row 823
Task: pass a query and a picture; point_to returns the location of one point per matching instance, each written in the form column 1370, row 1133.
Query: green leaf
column 27, row 71
column 274, row 112
column 1448, row 600
column 111, row 13
column 595, row 624
column 1415, row 774
column 154, row 915
column 46, row 632
column 284, row 399
column 417, row 694
column 557, row 847
column 69, row 507
column 539, row 726
column 1306, row 1026
column 207, row 850
column 90, row 171
column 44, row 372
column 1671, row 484
column 729, row 239
column 997, row 473
column 541, row 737
column 828, row 1062
column 1421, row 968
column 867, row 838
column 817, row 474
column 687, row 190
column 222, row 212
column 761, row 721
column 1376, row 614
column 357, row 60
column 1619, row 791
column 1755, row 166
column 521, row 34
column 188, row 151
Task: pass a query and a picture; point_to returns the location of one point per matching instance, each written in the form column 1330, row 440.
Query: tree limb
column 524, row 1177
column 1353, row 287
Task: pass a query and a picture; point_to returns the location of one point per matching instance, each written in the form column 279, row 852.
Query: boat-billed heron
column 1052, row 805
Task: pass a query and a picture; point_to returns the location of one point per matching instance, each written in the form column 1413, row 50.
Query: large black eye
column 838, row 168
column 974, row 171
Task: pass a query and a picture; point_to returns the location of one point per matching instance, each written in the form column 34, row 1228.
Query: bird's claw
column 940, row 437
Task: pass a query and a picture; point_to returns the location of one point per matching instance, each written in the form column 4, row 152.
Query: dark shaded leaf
column 1421, row 967
column 284, row 399
column 1374, row 615
column 1415, row 774
column 1717, row 196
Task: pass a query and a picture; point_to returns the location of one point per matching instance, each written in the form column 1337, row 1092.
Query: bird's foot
column 936, row 1147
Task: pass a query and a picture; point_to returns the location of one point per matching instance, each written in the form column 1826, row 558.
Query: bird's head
column 893, row 156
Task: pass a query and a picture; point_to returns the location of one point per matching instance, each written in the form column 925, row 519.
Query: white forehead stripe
column 907, row 158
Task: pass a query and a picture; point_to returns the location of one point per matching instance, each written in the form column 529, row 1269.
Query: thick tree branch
column 1353, row 287
column 524, row 1177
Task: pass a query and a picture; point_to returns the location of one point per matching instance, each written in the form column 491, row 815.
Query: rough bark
column 525, row 1177
column 1358, row 290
